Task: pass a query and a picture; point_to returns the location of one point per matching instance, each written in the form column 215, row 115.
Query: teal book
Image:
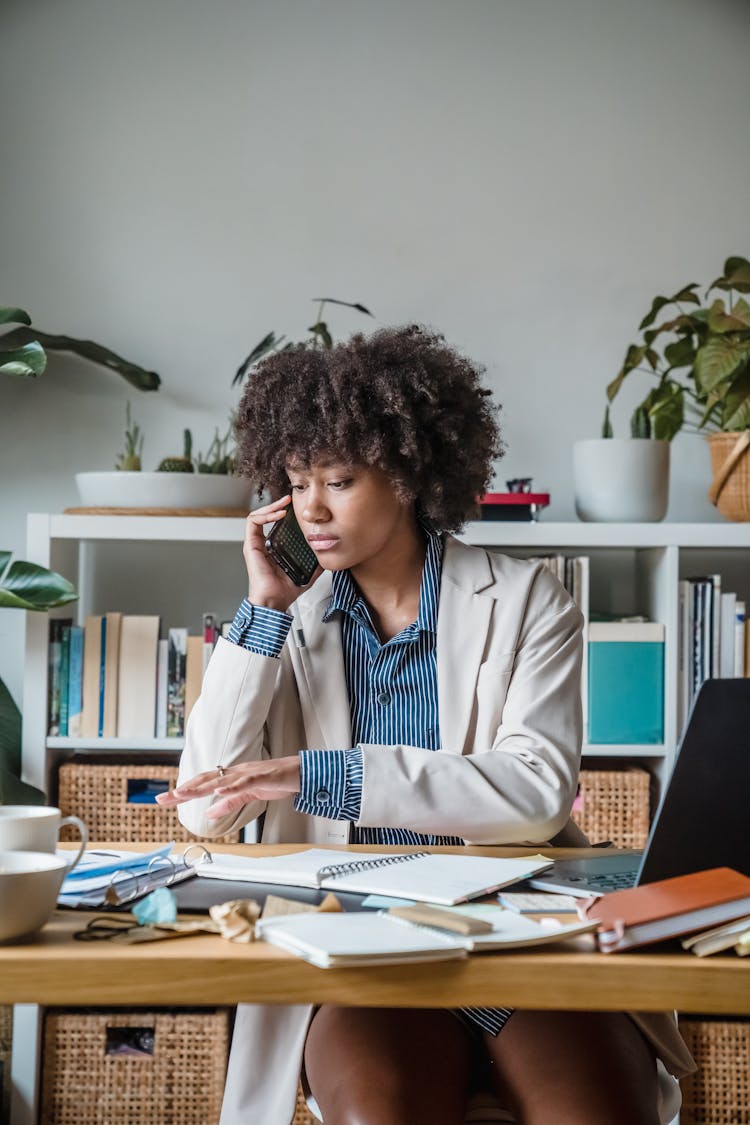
column 626, row 683
column 64, row 674
column 75, row 682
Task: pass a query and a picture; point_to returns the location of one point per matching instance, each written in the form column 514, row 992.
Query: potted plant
column 23, row 585
column 699, row 355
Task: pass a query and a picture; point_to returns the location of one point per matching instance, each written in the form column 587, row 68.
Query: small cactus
column 217, row 459
column 130, row 460
column 182, row 464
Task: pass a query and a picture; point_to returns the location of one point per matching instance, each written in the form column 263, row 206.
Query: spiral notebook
column 417, row 876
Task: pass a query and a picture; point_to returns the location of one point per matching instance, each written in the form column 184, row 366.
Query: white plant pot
column 163, row 490
column 621, row 479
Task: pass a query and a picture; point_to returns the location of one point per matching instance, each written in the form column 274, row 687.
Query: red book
column 668, row 908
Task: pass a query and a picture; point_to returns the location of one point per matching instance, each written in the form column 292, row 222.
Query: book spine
column 64, row 679
column 739, row 638
column 102, row 673
column 726, row 638
column 54, row 660
column 176, row 682
column 75, row 682
column 162, row 680
column 209, row 638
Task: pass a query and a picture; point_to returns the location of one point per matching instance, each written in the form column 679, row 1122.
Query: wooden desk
column 54, row 969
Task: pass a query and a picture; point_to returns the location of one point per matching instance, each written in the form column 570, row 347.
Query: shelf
column 548, row 536
column 545, row 536
column 624, row 750
column 172, row 745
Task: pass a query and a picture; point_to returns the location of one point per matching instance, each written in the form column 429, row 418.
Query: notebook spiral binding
column 338, row 870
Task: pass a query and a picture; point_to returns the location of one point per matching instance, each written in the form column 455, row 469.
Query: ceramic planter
column 621, row 480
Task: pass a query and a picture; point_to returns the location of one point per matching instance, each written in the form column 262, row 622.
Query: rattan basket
column 614, row 805
column 88, row 1078
column 101, row 795
column 6, row 1047
column 730, row 465
column 302, row 1115
column 719, row 1092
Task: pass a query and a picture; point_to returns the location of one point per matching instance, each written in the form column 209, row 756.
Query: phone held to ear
column 287, row 546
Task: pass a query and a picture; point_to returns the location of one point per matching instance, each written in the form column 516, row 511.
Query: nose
column 314, row 508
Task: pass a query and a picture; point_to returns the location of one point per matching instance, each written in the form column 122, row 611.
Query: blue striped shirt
column 393, row 700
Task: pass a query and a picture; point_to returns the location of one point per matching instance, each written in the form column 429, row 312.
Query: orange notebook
column 669, row 908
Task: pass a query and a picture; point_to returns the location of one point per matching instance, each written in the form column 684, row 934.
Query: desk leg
column 24, row 1068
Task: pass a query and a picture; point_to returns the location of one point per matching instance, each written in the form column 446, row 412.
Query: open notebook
column 419, row 876
column 380, row 937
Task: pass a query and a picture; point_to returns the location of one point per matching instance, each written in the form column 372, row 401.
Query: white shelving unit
column 634, row 568
column 644, row 560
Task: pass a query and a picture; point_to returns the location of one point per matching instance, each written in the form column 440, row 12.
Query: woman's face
column 349, row 514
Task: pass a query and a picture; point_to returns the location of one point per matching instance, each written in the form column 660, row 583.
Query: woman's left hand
column 237, row 785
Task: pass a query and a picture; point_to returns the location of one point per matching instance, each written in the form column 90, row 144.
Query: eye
column 296, row 487
column 338, row 485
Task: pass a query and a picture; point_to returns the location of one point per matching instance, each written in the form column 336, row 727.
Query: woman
column 418, row 692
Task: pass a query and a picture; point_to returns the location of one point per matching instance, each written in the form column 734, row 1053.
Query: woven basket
column 614, row 805
column 730, row 465
column 181, row 1082
column 6, row 1047
column 99, row 794
column 302, row 1115
column 719, row 1092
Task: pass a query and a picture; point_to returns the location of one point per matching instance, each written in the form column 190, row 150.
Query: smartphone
column 288, row 547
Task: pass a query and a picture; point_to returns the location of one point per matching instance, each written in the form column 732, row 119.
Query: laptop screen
column 704, row 817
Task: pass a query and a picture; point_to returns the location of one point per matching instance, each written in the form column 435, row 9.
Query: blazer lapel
column 322, row 659
column 464, row 617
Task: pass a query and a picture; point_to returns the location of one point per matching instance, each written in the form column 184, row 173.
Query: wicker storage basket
column 719, row 1092
column 302, row 1115
column 118, row 1068
column 102, row 796
column 730, row 465
column 614, row 805
column 6, row 1046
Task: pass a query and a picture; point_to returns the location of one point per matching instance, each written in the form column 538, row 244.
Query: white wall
column 179, row 177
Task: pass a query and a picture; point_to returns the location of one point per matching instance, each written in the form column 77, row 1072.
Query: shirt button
column 384, row 698
column 323, row 796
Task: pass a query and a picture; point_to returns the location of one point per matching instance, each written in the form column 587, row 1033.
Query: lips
column 322, row 542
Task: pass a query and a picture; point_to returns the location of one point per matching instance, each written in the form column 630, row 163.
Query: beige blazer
column 508, row 666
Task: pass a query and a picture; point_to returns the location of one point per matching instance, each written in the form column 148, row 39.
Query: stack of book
column 115, row 677
column 714, row 638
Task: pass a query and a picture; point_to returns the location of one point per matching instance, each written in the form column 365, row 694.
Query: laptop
column 703, row 819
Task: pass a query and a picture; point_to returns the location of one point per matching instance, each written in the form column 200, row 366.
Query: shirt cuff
column 330, row 783
column 257, row 628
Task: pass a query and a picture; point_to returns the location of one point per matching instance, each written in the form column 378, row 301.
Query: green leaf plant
column 319, row 336
column 22, row 352
column 23, row 585
column 700, row 357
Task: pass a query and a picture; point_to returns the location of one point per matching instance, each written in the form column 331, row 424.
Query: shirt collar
column 345, row 595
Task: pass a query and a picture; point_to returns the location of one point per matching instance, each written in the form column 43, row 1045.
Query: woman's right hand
column 269, row 585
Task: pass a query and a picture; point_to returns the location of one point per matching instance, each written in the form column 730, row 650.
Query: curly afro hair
column 400, row 399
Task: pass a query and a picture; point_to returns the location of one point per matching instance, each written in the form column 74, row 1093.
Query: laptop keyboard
column 607, row 881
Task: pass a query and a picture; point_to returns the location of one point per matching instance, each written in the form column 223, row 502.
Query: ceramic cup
column 35, row 828
column 29, row 885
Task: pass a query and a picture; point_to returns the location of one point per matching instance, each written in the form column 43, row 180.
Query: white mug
column 36, row 828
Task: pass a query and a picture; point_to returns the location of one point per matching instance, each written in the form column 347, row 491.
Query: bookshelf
column 634, row 568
